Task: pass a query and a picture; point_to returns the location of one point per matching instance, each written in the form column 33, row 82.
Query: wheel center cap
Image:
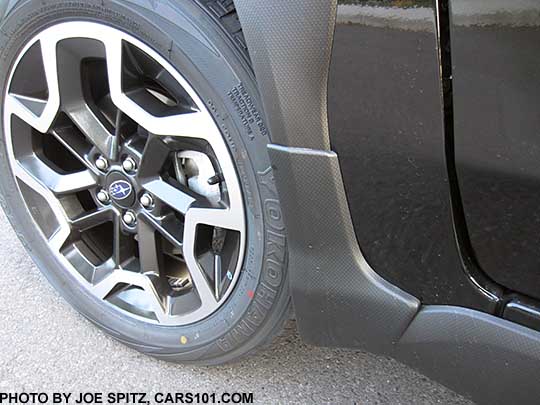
column 120, row 189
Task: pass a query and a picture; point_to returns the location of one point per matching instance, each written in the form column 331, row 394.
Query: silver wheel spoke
column 223, row 218
column 196, row 124
column 117, row 277
column 57, row 241
column 189, row 125
column 102, row 271
column 105, row 287
column 32, row 105
column 39, row 114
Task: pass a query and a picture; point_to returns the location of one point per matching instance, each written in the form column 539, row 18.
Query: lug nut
column 129, row 218
column 146, row 200
column 129, row 165
column 102, row 163
column 103, row 197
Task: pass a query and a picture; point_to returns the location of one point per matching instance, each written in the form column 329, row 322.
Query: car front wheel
column 136, row 172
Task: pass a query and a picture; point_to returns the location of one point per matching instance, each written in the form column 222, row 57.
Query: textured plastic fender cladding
column 492, row 360
column 339, row 300
column 290, row 44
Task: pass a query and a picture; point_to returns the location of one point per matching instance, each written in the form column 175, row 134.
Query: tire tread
column 225, row 13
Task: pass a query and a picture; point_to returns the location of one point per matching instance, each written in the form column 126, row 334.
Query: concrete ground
column 47, row 346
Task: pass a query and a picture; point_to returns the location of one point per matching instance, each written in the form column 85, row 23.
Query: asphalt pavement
column 46, row 346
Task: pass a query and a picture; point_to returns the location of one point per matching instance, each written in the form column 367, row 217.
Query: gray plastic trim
column 339, row 300
column 492, row 360
column 290, row 44
column 335, row 292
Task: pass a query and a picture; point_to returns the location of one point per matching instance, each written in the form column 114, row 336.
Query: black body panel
column 386, row 124
column 496, row 81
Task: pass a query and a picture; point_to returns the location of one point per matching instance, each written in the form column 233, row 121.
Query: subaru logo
column 120, row 189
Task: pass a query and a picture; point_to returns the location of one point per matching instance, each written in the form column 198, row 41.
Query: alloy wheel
column 125, row 173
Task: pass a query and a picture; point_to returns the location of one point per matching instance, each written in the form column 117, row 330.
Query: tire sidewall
column 204, row 55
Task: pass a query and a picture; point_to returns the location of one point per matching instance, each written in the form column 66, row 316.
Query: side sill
column 491, row 360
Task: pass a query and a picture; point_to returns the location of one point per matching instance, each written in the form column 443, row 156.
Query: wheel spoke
column 34, row 105
column 38, row 113
column 104, row 288
column 122, row 244
column 199, row 279
column 93, row 128
column 179, row 199
column 196, row 124
column 103, row 270
column 170, row 228
column 188, row 125
column 50, row 65
column 58, row 240
column 58, row 183
column 206, row 293
column 74, row 100
column 154, row 156
column 150, row 251
column 24, row 108
column 221, row 217
column 118, row 276
column 70, row 140
column 92, row 219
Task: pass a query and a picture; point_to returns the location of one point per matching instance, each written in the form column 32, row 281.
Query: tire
column 207, row 47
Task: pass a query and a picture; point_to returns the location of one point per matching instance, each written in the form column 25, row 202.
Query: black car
column 188, row 172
